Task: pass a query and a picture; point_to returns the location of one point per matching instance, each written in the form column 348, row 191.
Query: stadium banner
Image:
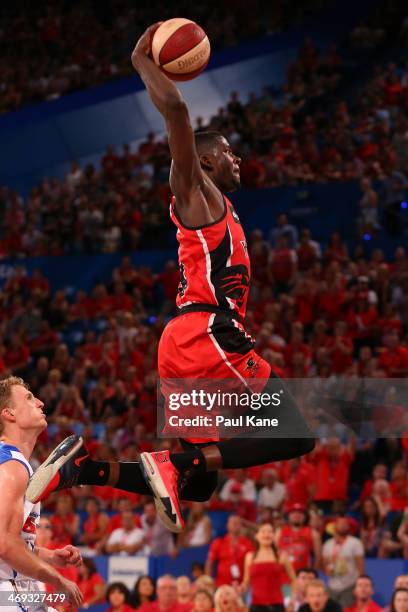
column 254, row 407
column 127, row 569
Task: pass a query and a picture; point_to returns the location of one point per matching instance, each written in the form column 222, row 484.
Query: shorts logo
column 252, row 366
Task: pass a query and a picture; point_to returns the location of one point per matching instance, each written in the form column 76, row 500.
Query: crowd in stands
column 49, row 51
column 314, row 310
column 305, row 137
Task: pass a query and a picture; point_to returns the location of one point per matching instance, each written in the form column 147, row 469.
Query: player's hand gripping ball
column 181, row 48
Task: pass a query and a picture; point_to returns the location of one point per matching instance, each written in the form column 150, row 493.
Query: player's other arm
column 13, row 549
column 187, row 180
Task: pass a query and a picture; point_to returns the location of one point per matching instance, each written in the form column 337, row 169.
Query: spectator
column 297, row 597
column 363, row 593
column 65, row 522
column 299, row 540
column 394, row 358
column 202, row 601
column 229, row 551
column 379, row 473
column 127, row 539
column 246, row 484
column 272, row 494
column 369, row 207
column 317, row 599
column 264, row 571
column 284, row 228
column 282, row 265
column 44, row 539
column 226, row 599
column 166, row 598
column 91, row 584
column 343, row 560
column 95, row 526
column 239, row 495
column 117, row 597
column 158, row 538
column 401, row 582
column 332, row 461
column 308, row 251
column 382, row 497
column 143, row 592
column 300, row 481
column 371, row 530
column 199, row 528
column 183, row 584
column 399, row 601
column 197, row 570
column 205, row 582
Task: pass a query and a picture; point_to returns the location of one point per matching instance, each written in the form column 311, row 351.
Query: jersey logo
column 29, row 525
column 233, row 281
column 181, row 289
column 234, row 214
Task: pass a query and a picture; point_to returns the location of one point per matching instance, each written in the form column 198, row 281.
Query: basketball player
column 207, row 339
column 22, row 565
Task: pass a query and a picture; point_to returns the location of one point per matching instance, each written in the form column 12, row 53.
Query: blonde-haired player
column 23, row 566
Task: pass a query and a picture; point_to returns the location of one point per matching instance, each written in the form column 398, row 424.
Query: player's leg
column 69, row 465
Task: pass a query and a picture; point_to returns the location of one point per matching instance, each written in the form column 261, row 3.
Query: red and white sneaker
column 164, row 481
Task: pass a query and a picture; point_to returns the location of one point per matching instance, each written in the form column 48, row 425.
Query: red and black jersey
column 214, row 262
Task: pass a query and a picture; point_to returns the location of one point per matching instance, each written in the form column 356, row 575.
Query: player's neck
column 23, row 440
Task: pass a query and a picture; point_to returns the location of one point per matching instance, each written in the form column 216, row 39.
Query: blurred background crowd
column 324, row 309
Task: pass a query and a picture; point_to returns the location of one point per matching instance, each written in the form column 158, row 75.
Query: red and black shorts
column 209, row 345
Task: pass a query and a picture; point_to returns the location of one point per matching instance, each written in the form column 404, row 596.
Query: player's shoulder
column 10, row 454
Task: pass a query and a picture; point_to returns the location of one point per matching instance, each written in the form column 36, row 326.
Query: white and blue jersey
column 31, row 512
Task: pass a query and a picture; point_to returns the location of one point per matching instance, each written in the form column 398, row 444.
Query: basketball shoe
column 60, row 470
column 165, row 482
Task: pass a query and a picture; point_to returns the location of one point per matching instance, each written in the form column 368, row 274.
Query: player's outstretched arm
column 13, row 549
column 186, row 178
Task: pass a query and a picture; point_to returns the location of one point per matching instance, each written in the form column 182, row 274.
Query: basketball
column 181, row 48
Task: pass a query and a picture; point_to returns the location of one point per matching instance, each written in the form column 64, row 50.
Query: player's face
column 26, row 409
column 227, row 175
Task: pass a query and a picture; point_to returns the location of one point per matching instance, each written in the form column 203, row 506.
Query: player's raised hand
column 144, row 44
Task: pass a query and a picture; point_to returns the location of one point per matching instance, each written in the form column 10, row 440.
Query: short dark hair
column 118, row 586
column 367, row 577
column 90, row 566
column 206, row 140
column 307, row 570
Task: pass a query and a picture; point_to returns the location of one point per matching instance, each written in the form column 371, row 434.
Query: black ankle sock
column 193, row 461
column 130, row 476
column 131, row 479
column 94, row 473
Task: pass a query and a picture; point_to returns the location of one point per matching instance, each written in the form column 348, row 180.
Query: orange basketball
column 181, row 48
